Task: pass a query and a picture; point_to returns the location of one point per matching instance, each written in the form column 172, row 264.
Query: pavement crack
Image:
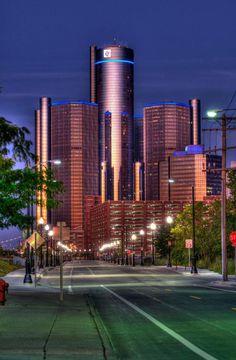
column 49, row 334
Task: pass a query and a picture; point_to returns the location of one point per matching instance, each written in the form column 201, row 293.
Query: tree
column 164, row 234
column 18, row 186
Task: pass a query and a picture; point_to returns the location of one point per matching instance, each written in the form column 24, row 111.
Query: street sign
column 188, row 243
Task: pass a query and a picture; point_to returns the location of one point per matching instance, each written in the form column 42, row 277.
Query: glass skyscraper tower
column 111, row 87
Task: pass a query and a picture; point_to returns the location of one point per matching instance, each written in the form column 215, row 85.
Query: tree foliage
column 18, row 186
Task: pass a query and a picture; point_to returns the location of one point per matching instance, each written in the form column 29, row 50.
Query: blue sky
column 183, row 49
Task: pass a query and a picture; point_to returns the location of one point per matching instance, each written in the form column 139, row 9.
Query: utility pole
column 223, row 120
column 61, row 263
column 223, row 201
column 194, row 258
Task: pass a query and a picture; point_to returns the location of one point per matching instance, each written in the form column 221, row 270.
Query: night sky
column 183, row 49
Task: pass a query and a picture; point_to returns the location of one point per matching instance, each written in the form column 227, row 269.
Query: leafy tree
column 18, row 186
column 164, row 235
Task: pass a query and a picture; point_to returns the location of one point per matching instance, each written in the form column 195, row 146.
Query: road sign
column 188, row 243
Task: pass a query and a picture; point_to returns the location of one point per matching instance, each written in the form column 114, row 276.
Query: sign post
column 189, row 245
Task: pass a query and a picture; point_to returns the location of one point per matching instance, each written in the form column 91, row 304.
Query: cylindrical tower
column 195, row 121
column 114, row 93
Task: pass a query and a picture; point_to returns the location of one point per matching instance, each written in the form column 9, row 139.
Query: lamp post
column 46, row 227
column 27, row 278
column 153, row 228
column 50, row 234
column 169, row 221
column 133, row 238
column 41, row 222
column 142, row 233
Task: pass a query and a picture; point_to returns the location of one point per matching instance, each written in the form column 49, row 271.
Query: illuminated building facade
column 42, row 149
column 74, row 140
column 118, row 220
column 189, row 169
column 166, row 129
column 111, row 83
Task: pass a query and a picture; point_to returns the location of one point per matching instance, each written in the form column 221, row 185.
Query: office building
column 167, row 128
column 111, row 80
column 74, row 140
column 42, row 150
column 188, row 168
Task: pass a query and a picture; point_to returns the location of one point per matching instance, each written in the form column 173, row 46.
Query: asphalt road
column 156, row 313
column 119, row 312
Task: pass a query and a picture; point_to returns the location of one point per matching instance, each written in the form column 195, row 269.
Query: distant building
column 166, row 129
column 111, row 87
column 138, row 138
column 186, row 169
column 118, row 220
column 74, row 140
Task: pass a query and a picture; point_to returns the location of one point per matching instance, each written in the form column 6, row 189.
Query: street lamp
column 169, row 221
column 50, row 234
column 46, row 228
column 40, row 223
column 133, row 238
column 153, row 228
column 142, row 233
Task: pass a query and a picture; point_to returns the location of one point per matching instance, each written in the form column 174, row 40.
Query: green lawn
column 6, row 267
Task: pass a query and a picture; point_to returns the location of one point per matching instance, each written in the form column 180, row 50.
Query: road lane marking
column 176, row 336
column 216, row 288
column 70, row 290
column 91, row 271
column 195, row 297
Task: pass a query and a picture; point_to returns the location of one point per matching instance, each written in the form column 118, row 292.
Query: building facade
column 119, row 220
column 43, row 150
column 111, row 80
column 74, row 140
column 185, row 169
column 166, row 129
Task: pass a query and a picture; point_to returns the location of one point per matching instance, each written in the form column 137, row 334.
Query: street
column 119, row 312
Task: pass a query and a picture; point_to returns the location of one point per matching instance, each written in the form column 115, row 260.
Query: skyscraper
column 74, row 140
column 42, row 147
column 166, row 129
column 111, row 77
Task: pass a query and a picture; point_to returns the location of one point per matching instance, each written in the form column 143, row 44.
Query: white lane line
column 176, row 336
column 216, row 288
column 91, row 271
column 70, row 290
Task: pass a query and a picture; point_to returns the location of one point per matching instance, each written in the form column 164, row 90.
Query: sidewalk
column 36, row 325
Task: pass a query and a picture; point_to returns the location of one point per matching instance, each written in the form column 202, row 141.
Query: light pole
column 46, row 227
column 133, row 238
column 142, row 233
column 50, row 234
column 153, row 228
column 169, row 221
column 41, row 223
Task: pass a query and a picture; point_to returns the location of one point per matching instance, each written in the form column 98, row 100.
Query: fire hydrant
column 3, row 290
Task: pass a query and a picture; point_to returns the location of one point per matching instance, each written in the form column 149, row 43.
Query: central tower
column 111, row 87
